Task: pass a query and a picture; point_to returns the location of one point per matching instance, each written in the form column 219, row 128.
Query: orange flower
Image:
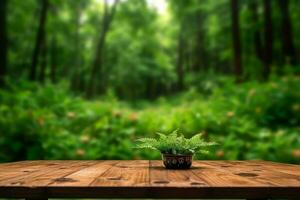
column 116, row 113
column 80, row 152
column 133, row 117
column 71, row 115
column 220, row 154
column 296, row 153
column 85, row 138
column 230, row 114
column 41, row 121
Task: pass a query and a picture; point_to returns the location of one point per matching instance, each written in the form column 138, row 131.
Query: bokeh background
column 82, row 79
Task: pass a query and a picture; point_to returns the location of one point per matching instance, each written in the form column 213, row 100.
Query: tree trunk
column 199, row 62
column 3, row 42
column 180, row 61
column 268, row 49
column 236, row 40
column 288, row 46
column 53, row 61
column 43, row 63
column 39, row 39
column 97, row 68
column 258, row 46
column 75, row 79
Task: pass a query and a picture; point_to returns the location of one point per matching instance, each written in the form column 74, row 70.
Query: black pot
column 177, row 161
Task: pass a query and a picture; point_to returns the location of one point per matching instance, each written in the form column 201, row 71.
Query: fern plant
column 176, row 144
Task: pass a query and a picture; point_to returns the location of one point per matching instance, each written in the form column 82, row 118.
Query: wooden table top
column 148, row 179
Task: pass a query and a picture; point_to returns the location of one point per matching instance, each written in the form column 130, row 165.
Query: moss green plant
column 176, row 144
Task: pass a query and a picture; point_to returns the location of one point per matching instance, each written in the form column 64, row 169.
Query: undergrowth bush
column 249, row 121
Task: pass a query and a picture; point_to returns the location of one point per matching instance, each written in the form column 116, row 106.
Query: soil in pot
column 177, row 161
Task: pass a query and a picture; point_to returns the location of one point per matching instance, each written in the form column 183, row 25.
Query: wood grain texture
column 125, row 173
column 148, row 179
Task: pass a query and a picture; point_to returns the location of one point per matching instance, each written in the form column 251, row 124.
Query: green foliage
column 174, row 144
column 250, row 121
column 141, row 45
column 253, row 120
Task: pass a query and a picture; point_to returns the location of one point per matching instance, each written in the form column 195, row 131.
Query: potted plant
column 176, row 150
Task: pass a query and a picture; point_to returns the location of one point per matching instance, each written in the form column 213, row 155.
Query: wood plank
column 19, row 170
column 161, row 177
column 144, row 179
column 217, row 177
column 282, row 167
column 58, row 174
column 258, row 172
column 46, row 174
column 15, row 174
column 85, row 176
column 11, row 170
column 125, row 173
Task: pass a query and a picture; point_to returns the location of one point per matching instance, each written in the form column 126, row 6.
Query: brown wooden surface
column 148, row 179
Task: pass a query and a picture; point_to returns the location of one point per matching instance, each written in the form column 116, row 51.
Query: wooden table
column 148, row 179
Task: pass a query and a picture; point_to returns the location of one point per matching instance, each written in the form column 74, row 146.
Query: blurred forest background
column 82, row 79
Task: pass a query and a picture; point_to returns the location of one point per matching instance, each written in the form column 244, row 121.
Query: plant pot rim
column 176, row 155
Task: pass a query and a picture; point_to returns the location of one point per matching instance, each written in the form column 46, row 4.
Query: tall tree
column 288, row 46
column 39, row 39
column 258, row 46
column 43, row 61
column 53, row 60
column 76, row 78
column 180, row 59
column 268, row 38
column 236, row 40
column 97, row 67
column 3, row 41
column 200, row 54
